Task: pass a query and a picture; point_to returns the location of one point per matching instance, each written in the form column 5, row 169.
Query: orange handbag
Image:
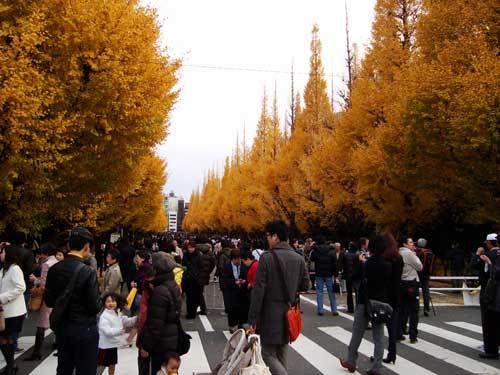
column 293, row 316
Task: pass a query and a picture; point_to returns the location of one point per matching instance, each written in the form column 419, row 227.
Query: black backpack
column 62, row 302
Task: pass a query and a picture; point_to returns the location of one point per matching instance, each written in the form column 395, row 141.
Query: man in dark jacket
column 78, row 336
column 426, row 256
column 206, row 266
column 268, row 307
column 325, row 260
column 223, row 258
column 348, row 261
column 484, row 263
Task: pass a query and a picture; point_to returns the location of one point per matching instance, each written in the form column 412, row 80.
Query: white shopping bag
column 257, row 365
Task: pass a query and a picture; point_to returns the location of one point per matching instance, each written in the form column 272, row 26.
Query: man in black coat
column 348, row 261
column 190, row 280
column 325, row 260
column 206, row 266
column 484, row 262
column 78, row 337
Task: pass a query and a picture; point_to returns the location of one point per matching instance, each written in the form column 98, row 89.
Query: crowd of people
column 99, row 297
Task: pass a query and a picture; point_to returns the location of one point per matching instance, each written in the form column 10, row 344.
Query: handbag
column 36, row 298
column 377, row 311
column 257, row 365
column 183, row 339
column 293, row 316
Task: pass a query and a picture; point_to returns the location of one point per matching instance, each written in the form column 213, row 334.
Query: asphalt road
column 449, row 343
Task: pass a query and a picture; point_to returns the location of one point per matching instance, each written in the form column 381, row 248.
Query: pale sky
column 216, row 104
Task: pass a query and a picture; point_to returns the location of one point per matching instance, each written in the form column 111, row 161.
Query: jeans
column 275, row 358
column 358, row 330
column 77, row 349
column 320, row 281
column 350, row 300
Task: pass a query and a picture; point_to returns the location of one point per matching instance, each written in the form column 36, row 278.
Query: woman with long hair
column 391, row 254
column 12, row 287
column 375, row 286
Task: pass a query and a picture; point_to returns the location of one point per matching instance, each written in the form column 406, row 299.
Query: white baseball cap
column 492, row 237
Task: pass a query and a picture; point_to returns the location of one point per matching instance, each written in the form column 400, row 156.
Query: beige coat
column 112, row 280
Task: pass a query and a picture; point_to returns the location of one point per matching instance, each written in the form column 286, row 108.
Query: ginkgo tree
column 418, row 143
column 86, row 94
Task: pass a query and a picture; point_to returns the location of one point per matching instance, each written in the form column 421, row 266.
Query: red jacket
column 252, row 272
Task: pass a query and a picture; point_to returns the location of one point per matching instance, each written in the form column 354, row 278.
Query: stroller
column 242, row 356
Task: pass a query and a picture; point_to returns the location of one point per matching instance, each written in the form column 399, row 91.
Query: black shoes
column 389, row 360
column 488, row 356
column 426, row 312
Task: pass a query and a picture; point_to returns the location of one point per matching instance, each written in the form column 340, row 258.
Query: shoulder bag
column 377, row 311
column 62, row 302
column 294, row 319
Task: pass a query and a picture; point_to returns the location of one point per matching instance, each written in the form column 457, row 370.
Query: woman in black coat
column 391, row 254
column 235, row 275
column 159, row 335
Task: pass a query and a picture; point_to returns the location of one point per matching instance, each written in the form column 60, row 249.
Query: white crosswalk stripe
column 467, row 326
column 402, row 366
column 317, row 356
column 451, row 336
column 317, row 353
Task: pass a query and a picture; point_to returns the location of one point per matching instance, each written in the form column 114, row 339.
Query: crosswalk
column 447, row 347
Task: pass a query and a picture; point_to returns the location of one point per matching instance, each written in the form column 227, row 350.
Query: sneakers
column 335, row 313
column 320, row 313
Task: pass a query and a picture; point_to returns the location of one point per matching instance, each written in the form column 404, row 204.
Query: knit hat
column 163, row 262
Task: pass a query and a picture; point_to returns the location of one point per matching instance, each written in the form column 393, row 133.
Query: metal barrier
column 470, row 295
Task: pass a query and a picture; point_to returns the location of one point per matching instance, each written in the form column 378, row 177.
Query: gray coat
column 268, row 308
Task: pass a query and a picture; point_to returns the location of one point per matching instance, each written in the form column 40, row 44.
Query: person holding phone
column 235, row 275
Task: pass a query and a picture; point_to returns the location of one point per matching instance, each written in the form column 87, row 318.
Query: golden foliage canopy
column 418, row 143
column 86, row 94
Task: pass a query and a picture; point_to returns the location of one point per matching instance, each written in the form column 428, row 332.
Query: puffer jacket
column 325, row 260
column 160, row 333
column 206, row 263
column 85, row 301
